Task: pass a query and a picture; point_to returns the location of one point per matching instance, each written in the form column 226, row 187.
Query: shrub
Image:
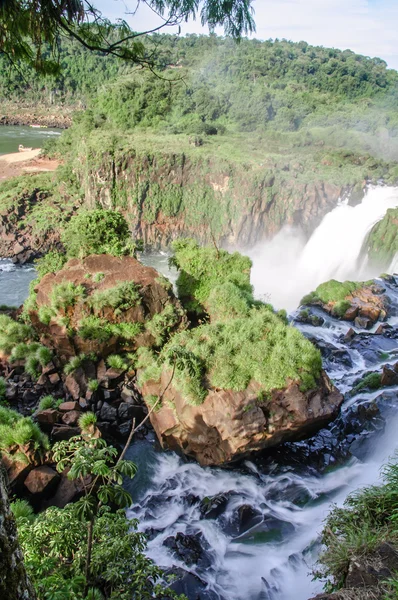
column 47, row 402
column 43, row 355
column 13, row 333
column 45, row 314
column 3, row 388
column 230, row 354
column 74, row 363
column 115, row 361
column 98, row 231
column 341, row 307
column 87, row 422
column 66, row 294
column 52, row 262
column 21, row 509
column 202, row 269
column 121, row 297
column 162, row 323
column 97, row 277
column 20, row 438
column 127, row 331
column 94, row 328
column 32, row 366
column 93, row 385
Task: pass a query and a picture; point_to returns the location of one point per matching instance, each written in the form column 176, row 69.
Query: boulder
column 63, row 432
column 42, row 480
column 49, row 416
column 153, row 298
column 229, row 425
column 76, row 383
column 389, row 376
column 67, row 406
column 71, row 417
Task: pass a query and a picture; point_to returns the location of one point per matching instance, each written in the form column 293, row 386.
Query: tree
column 29, row 27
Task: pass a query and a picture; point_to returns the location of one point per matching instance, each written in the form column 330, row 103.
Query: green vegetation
column 371, row 381
column 51, row 262
column 93, row 385
column 203, row 269
column 97, row 232
column 3, row 388
column 115, row 361
column 245, row 341
column 333, row 291
column 353, row 532
column 66, row 294
column 340, row 308
column 21, row 439
column 121, row 297
column 48, row 402
column 162, row 324
column 382, row 244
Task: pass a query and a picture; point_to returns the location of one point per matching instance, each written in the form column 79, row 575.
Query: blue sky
column 368, row 27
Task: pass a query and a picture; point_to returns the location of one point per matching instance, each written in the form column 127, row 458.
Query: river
column 259, row 540
column 11, row 137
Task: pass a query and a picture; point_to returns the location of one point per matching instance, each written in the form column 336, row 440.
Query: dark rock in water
column 108, row 412
column 248, row 517
column 189, row 584
column 389, row 376
column 213, row 506
column 189, row 549
column 363, row 323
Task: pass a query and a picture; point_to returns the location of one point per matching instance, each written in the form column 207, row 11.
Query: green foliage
column 94, row 328
column 98, row 231
column 51, row 262
column 333, row 291
column 97, row 277
column 13, row 333
column 93, row 385
column 372, row 381
column 66, row 294
column 341, row 307
column 3, row 388
column 162, row 324
column 115, row 361
column 231, row 354
column 202, row 269
column 20, row 437
column 383, row 239
column 74, row 363
column 368, row 518
column 48, row 402
column 22, row 511
column 87, row 421
column 121, row 297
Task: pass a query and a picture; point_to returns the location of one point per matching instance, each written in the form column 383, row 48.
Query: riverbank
column 19, row 163
column 57, row 116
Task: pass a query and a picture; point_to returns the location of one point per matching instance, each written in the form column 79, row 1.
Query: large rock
column 229, row 425
column 154, row 297
column 42, row 480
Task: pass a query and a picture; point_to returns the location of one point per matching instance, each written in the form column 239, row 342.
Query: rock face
column 99, row 274
column 229, row 425
column 14, row 583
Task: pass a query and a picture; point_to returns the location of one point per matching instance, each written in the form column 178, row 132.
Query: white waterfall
column 285, row 268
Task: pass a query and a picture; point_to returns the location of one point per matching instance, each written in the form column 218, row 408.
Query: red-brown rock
column 49, row 416
column 41, row 479
column 229, row 425
column 66, row 406
column 71, row 417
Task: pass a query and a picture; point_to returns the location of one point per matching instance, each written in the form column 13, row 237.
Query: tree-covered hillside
column 210, row 85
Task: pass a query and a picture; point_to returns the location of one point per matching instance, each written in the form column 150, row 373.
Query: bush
column 3, row 388
column 20, row 438
column 97, row 232
column 94, row 328
column 66, row 294
column 13, row 333
column 115, row 361
column 47, row 402
column 87, row 422
column 52, row 262
column 74, row 363
column 93, row 385
column 202, row 269
column 22, row 510
column 123, row 296
column 340, row 308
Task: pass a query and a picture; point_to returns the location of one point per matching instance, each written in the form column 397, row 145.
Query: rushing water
column 269, row 555
column 30, row 137
column 287, row 267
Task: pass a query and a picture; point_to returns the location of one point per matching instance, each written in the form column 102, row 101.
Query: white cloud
column 365, row 26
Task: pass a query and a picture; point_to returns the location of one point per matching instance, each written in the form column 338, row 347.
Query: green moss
column 341, row 307
column 383, row 239
column 372, row 381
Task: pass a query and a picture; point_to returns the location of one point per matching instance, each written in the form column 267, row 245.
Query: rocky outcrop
column 97, row 275
column 14, row 583
column 229, row 425
column 168, row 196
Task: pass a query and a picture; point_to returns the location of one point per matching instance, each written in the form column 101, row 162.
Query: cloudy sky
column 368, row 27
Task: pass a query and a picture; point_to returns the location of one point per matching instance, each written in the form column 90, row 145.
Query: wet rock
column 42, row 480
column 190, row 585
column 389, row 376
column 76, row 383
column 63, row 432
column 188, row 548
column 363, row 323
column 248, row 517
column 108, row 412
column 213, row 506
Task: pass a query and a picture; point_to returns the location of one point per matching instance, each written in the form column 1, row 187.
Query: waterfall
column 285, row 268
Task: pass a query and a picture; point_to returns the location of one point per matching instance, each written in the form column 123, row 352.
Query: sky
column 368, row 27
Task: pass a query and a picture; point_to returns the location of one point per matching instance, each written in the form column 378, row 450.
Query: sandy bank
column 18, row 163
